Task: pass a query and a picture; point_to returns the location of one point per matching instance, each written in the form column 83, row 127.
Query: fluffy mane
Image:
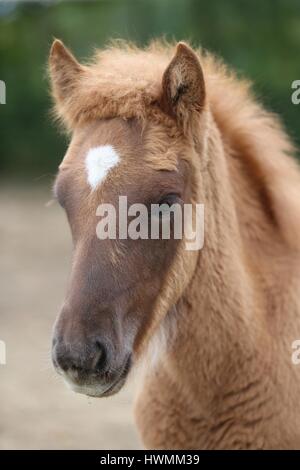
column 126, row 81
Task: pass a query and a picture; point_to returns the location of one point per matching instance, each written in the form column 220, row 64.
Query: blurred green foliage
column 259, row 38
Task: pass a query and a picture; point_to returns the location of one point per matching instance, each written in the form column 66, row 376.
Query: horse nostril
column 81, row 359
column 60, row 358
column 100, row 358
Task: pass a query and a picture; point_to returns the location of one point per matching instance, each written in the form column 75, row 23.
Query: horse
column 213, row 328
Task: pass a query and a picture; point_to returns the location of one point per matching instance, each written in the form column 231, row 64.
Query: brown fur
column 228, row 314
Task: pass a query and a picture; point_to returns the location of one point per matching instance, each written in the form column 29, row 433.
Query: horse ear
column 64, row 71
column 183, row 87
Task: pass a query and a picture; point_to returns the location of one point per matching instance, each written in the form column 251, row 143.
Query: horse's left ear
column 183, row 87
column 65, row 72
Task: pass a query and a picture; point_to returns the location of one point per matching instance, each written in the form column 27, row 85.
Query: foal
column 216, row 325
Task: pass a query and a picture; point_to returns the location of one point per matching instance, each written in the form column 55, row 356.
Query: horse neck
column 215, row 312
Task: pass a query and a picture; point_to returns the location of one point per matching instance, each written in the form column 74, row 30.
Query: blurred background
column 259, row 39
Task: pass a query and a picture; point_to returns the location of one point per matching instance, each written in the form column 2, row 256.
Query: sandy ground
column 37, row 411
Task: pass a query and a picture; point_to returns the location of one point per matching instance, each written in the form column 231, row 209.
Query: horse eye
column 169, row 199
column 164, row 206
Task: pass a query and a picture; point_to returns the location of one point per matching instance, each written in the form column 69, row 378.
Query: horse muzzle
column 90, row 368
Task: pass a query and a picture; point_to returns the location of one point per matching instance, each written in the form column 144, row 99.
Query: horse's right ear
column 65, row 72
column 183, row 87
